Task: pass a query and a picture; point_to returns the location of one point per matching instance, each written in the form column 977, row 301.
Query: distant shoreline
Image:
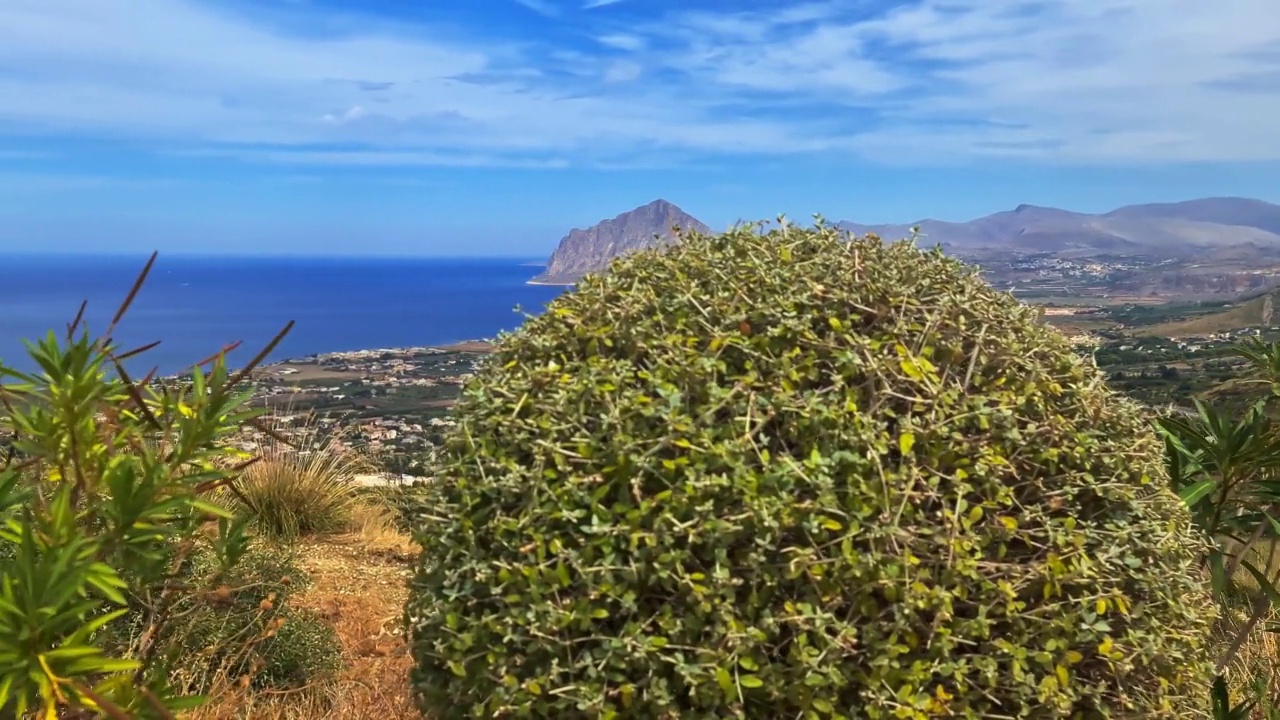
column 550, row 284
column 479, row 346
column 476, row 347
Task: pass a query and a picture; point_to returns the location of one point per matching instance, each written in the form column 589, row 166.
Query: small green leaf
column 1266, row 584
column 906, row 441
column 724, row 680
column 1193, row 493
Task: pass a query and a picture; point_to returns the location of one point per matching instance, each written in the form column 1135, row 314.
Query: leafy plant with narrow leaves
column 1226, row 468
column 107, row 486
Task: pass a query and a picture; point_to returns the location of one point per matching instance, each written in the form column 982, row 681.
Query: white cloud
column 177, row 73
column 934, row 80
column 374, row 158
column 1063, row 80
column 542, row 7
column 622, row 41
column 623, row 72
column 353, row 114
column 591, row 4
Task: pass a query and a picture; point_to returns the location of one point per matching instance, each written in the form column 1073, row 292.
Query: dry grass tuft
column 360, row 589
column 302, row 489
column 373, row 525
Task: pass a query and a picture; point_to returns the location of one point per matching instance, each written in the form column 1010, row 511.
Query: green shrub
column 411, row 503
column 787, row 476
column 106, row 485
column 243, row 626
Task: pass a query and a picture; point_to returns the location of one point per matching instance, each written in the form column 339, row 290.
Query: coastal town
column 390, row 405
column 393, row 405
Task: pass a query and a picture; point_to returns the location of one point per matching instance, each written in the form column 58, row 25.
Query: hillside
column 1226, row 211
column 1204, row 230
column 1190, row 228
column 1256, row 310
column 584, row 251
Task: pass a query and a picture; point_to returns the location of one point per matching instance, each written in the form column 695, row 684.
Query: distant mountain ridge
column 584, row 251
column 1179, row 229
column 1173, row 229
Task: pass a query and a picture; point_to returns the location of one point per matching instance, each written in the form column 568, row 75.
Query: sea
column 194, row 306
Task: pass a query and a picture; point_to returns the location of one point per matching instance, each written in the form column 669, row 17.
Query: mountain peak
column 1188, row 227
column 584, row 251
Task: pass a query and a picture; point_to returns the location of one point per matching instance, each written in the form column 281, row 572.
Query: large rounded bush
column 784, row 475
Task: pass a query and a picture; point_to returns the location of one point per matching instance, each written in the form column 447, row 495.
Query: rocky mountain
column 584, row 251
column 1174, row 229
column 1209, row 228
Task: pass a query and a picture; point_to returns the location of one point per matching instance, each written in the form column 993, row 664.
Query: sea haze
column 196, row 305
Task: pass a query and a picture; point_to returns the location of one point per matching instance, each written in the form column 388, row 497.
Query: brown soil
column 359, row 584
column 474, row 346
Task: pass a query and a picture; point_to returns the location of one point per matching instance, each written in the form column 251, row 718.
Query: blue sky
column 490, row 127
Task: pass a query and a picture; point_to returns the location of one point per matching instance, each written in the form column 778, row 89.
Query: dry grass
column 358, row 586
column 304, row 488
column 1258, row 659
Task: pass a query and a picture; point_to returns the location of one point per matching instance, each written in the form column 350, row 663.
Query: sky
column 492, row 127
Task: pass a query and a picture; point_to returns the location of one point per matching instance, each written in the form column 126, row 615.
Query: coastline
column 550, row 284
column 478, row 346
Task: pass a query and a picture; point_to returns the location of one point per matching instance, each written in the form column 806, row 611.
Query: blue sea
column 194, row 306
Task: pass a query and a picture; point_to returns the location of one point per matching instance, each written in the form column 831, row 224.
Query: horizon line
column 142, row 256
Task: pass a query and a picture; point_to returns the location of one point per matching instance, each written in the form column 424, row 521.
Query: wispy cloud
column 923, row 81
column 622, row 41
column 623, row 72
column 1060, row 80
column 392, row 158
column 591, row 4
column 542, row 7
column 19, row 183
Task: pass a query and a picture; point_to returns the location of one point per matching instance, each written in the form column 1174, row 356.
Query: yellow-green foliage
column 787, row 476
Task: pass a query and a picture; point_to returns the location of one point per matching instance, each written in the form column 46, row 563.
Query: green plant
column 244, row 629
column 411, row 503
column 793, row 474
column 300, row 486
column 1226, row 468
column 104, row 492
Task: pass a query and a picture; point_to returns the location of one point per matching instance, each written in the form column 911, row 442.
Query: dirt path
column 361, row 590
